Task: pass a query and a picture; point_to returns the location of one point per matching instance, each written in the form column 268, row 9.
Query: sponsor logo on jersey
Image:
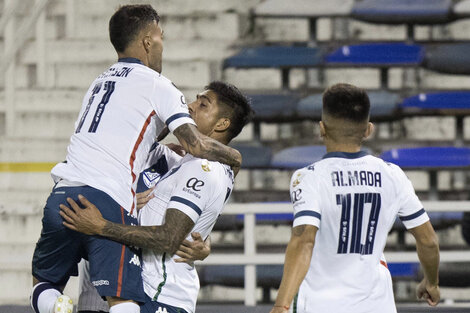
column 100, row 282
column 195, row 184
column 183, row 101
column 135, row 260
column 297, row 180
column 161, row 310
column 296, row 195
column 206, row 166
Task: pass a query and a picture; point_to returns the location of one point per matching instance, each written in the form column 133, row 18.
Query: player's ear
column 369, row 130
column 146, row 43
column 322, row 129
column 222, row 124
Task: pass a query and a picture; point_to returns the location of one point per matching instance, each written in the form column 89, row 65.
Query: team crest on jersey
column 151, row 178
column 206, row 166
column 297, row 180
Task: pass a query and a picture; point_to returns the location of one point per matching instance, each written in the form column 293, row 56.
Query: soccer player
column 188, row 198
column 124, row 110
column 344, row 207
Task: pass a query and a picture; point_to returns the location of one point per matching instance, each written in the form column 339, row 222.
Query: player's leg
column 115, row 269
column 151, row 306
column 89, row 301
column 55, row 258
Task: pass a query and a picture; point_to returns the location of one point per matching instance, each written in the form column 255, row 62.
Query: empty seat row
column 261, row 157
column 385, row 105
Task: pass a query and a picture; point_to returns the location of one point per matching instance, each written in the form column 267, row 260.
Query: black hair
column 347, row 102
column 128, row 21
column 239, row 107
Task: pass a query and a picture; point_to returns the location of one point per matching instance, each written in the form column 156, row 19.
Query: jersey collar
column 130, row 60
column 345, row 155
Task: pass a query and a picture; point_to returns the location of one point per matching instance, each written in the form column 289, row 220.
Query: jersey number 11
column 355, row 222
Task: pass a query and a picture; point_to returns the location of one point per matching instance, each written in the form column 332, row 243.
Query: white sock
column 125, row 307
column 46, row 299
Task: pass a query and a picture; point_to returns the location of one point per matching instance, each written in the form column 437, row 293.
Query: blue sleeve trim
column 412, row 216
column 192, row 205
column 176, row 116
column 307, row 213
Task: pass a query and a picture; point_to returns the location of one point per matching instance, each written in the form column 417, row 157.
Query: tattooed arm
column 204, row 147
column 297, row 261
column 163, row 238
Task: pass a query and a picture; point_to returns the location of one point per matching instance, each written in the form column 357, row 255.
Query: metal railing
column 250, row 258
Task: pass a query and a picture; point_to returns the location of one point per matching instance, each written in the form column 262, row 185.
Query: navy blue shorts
column 151, row 306
column 115, row 269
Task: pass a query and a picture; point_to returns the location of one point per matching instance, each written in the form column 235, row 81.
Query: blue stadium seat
column 383, row 105
column 304, row 8
column 449, row 100
column 297, row 157
column 448, row 58
column 403, row 11
column 376, row 55
column 275, row 56
column 428, row 157
column 274, row 107
column 254, row 156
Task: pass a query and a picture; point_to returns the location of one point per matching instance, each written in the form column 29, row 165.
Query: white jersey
column 199, row 188
column 354, row 199
column 123, row 111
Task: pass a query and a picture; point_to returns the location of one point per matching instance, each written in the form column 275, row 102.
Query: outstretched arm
column 204, row 147
column 427, row 247
column 298, row 256
column 163, row 238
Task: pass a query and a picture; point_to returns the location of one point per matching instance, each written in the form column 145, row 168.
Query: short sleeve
column 170, row 106
column 194, row 190
column 411, row 211
column 304, row 197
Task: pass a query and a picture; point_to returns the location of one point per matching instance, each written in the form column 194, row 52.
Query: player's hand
column 428, row 292
column 87, row 220
column 178, row 149
column 144, row 197
column 190, row 251
column 278, row 309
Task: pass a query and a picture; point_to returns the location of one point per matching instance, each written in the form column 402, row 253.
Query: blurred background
column 413, row 57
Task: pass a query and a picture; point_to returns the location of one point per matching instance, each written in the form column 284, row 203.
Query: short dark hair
column 347, row 102
column 239, row 107
column 128, row 21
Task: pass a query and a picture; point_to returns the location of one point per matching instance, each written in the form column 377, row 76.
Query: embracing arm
column 163, row 238
column 298, row 256
column 204, row 147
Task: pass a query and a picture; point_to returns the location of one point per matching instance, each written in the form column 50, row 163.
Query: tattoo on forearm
column 164, row 238
column 298, row 230
column 211, row 149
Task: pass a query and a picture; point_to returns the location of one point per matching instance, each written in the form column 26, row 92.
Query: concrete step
column 33, row 149
column 20, row 228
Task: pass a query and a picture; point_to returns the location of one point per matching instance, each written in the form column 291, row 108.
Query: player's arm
column 427, row 247
column 164, row 238
column 204, row 147
column 296, row 264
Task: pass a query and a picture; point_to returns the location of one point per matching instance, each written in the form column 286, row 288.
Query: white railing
column 250, row 258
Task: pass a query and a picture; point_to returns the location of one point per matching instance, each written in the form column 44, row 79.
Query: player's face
column 155, row 51
column 205, row 112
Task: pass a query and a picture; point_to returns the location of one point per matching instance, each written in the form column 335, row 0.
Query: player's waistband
column 65, row 183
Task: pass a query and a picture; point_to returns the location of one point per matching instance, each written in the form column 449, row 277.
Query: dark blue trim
column 176, row 116
column 307, row 213
column 412, row 216
column 345, row 155
column 130, row 60
column 188, row 203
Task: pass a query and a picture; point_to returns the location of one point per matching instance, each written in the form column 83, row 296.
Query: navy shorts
column 151, row 306
column 115, row 269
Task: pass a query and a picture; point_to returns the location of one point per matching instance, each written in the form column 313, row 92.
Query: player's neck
column 342, row 147
column 127, row 54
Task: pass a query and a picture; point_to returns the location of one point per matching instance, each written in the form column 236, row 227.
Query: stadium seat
column 297, row 157
column 283, row 57
column 383, row 105
column 378, row 55
column 403, row 11
column 449, row 100
column 428, row 157
column 448, row 58
column 462, row 9
column 254, row 156
column 274, row 107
